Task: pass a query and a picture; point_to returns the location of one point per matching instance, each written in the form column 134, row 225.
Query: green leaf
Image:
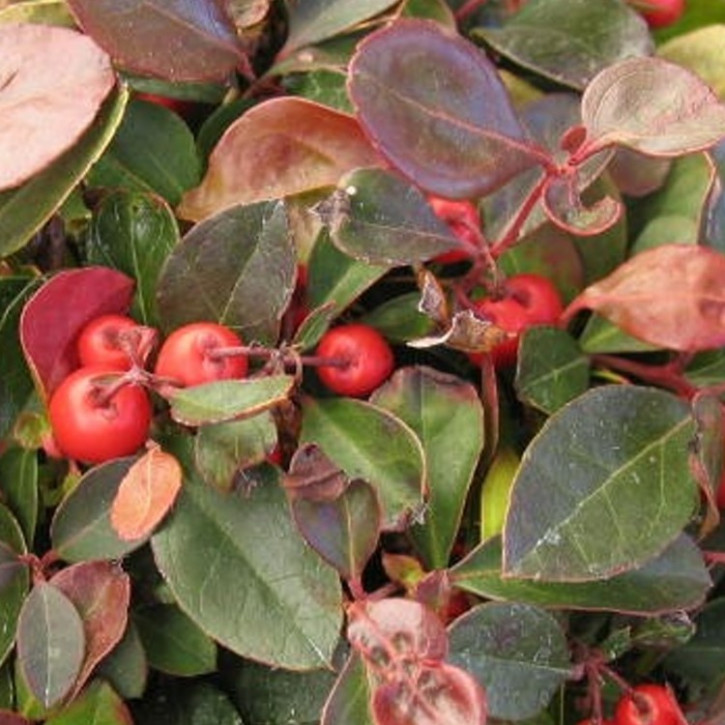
column 153, row 150
column 174, row 644
column 551, row 369
column 399, row 319
column 325, row 86
column 50, row 643
column 675, row 580
column 614, row 466
column 24, row 210
column 223, row 449
column 19, row 486
column 368, row 442
column 284, row 605
column 97, row 704
column 45, row 12
column 126, row 667
column 447, row 416
column 237, row 268
column 134, row 232
column 379, row 218
column 349, row 699
column 601, row 336
column 223, row 400
column 13, row 592
column 570, row 41
column 81, row 528
column 518, row 652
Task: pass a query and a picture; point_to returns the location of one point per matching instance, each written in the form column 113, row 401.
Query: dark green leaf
column 379, row 218
column 126, row 668
column 205, row 704
column 675, row 580
column 24, row 210
column 436, row 108
column 349, row 699
column 324, row 86
column 399, row 319
column 518, row 652
column 173, row 642
column 236, row 268
column 446, row 415
column 370, row 443
column 614, row 466
column 601, row 336
column 134, row 232
column 19, row 487
column 223, row 400
column 277, row 602
column 50, row 643
column 81, row 528
column 570, row 41
column 13, row 592
column 98, row 704
column 551, row 369
column 153, row 150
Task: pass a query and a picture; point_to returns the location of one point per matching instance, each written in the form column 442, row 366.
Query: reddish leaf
column 436, row 108
column 101, row 593
column 313, row 476
column 46, row 72
column 652, row 106
column 146, row 494
column 180, row 40
column 57, row 312
column 671, row 296
column 281, row 147
column 10, row 718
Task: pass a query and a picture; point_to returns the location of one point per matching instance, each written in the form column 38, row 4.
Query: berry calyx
column 648, row 704
column 360, row 359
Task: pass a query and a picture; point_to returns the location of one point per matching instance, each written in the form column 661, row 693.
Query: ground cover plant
column 362, row 363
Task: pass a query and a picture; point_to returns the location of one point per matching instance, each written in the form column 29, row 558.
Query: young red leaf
column 46, row 73
column 146, row 494
column 101, row 592
column 54, row 316
column 281, row 147
column 651, row 106
column 436, row 108
column 671, row 296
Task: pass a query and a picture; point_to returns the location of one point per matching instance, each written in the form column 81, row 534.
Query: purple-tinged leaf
column 651, row 106
column 51, row 643
column 11, row 718
column 46, row 72
column 179, row 40
column 435, row 107
column 670, row 296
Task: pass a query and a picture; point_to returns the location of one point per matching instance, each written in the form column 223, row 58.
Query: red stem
column 667, row 376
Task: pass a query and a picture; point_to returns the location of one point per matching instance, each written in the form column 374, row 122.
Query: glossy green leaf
column 437, row 110
column 191, row 41
column 223, row 400
column 14, row 591
column 236, row 268
column 349, row 699
column 399, row 319
column 126, row 667
column 19, row 487
column 551, row 369
column 570, row 41
column 223, row 449
column 379, row 218
column 707, row 368
column 373, row 444
column 675, row 580
column 98, row 704
column 285, row 605
column 134, row 232
column 81, row 528
column 50, row 643
column 614, row 465
column 24, row 210
column 325, row 86
column 174, row 644
column 316, row 20
column 153, row 150
column 518, row 653
column 601, row 336
column 447, row 416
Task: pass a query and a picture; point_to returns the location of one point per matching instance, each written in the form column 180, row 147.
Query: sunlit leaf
column 614, row 466
column 191, row 41
column 435, row 107
column 670, row 296
column 46, row 71
column 281, row 147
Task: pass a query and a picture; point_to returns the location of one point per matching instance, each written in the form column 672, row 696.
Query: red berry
column 463, row 220
column 661, row 13
column 187, row 354
column 648, row 704
column 100, row 343
column 368, row 359
column 90, row 429
column 528, row 300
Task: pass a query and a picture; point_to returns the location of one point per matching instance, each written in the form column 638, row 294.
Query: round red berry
column 661, row 13
column 648, row 704
column 361, row 359
column 100, row 342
